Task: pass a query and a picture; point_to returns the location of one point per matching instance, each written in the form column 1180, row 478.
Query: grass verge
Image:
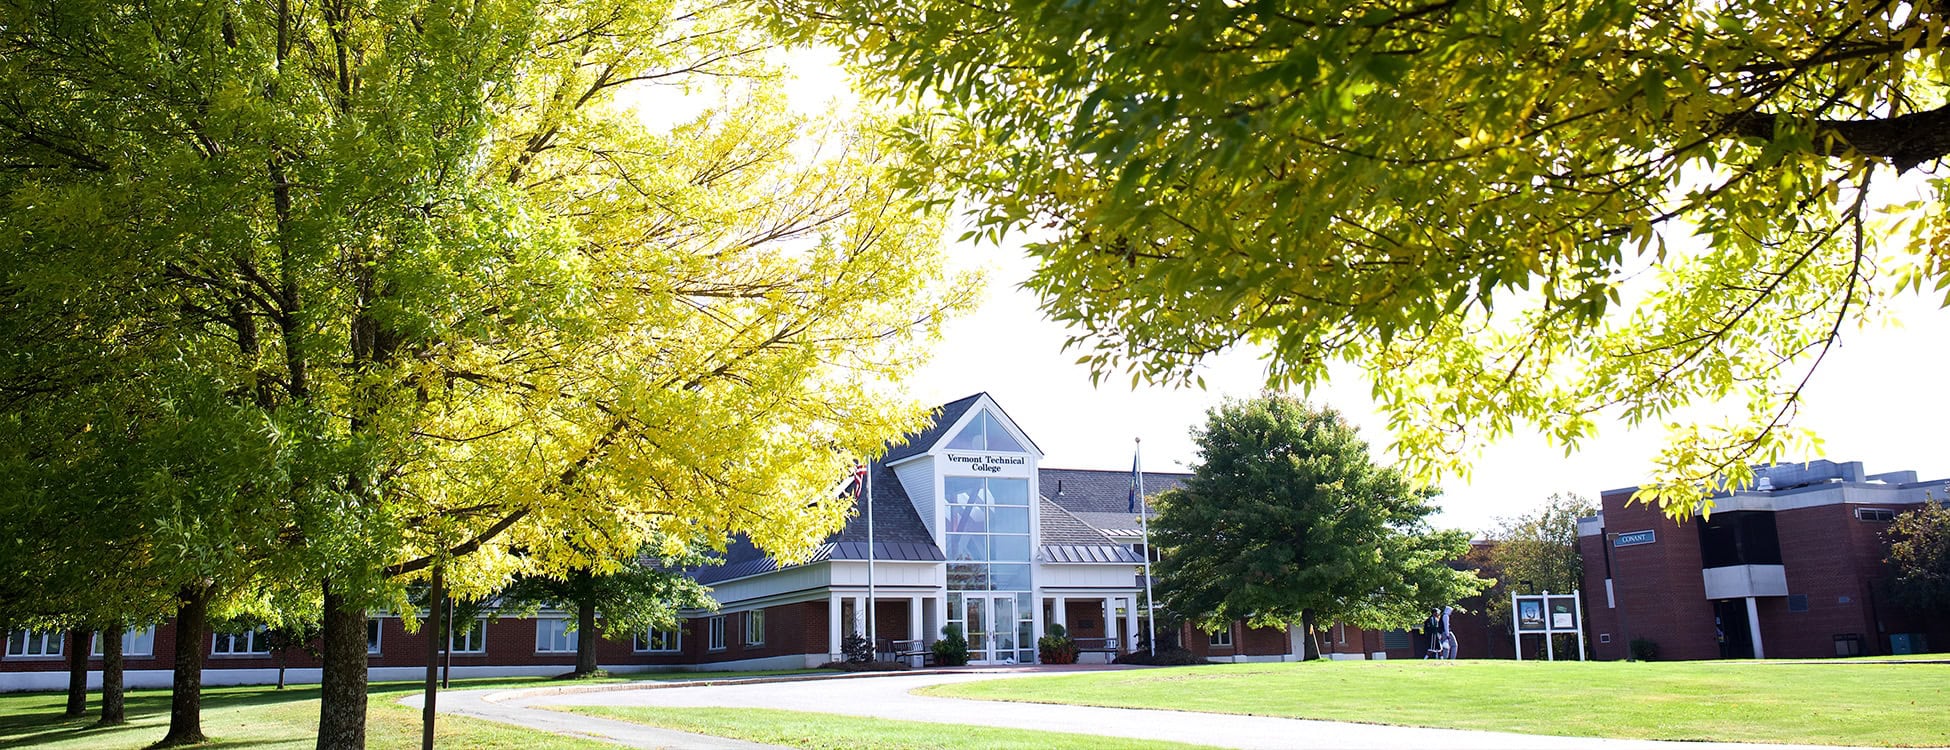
column 817, row 731
column 265, row 717
column 1814, row 703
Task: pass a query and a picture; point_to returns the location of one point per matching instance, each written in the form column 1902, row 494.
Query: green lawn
column 829, row 732
column 1814, row 703
column 264, row 717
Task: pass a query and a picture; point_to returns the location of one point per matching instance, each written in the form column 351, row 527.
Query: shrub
column 857, row 649
column 1057, row 647
column 952, row 649
column 1645, row 649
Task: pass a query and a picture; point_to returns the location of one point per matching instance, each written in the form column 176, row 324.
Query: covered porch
column 1103, row 624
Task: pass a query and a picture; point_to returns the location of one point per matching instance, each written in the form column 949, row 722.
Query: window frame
column 59, row 641
column 255, row 644
column 645, row 642
column 714, row 633
column 560, row 634
column 1220, row 639
column 479, row 631
column 375, row 634
column 1875, row 515
column 755, row 627
column 129, row 636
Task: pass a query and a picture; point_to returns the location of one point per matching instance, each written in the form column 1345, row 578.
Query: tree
column 1921, row 554
column 1514, row 217
column 628, row 597
column 476, row 302
column 1287, row 519
column 1537, row 551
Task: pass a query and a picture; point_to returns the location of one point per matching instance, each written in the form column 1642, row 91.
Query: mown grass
column 1861, row 703
column 265, row 717
column 817, row 731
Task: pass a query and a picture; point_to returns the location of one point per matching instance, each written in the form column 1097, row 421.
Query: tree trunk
column 585, row 637
column 113, row 712
column 436, row 605
column 342, row 692
column 1310, row 647
column 78, row 671
column 186, row 686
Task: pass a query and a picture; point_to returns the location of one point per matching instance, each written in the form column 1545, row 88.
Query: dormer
column 971, row 437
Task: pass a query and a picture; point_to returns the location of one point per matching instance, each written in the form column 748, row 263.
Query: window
column 372, row 636
column 987, row 534
column 1223, row 638
column 755, row 628
column 1340, row 633
column 134, row 642
column 474, row 641
column 1739, row 537
column 553, row 636
column 984, row 433
column 1879, row 515
column 715, row 641
column 32, row 643
column 1797, row 602
column 247, row 643
column 660, row 641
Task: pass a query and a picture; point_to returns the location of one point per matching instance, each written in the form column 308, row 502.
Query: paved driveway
column 888, row 697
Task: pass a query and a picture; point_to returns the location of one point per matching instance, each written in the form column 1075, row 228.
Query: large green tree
column 458, row 260
column 1516, row 216
column 1536, row 551
column 1921, row 556
column 1287, row 519
column 620, row 600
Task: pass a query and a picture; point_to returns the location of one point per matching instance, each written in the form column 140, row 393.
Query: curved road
column 889, row 697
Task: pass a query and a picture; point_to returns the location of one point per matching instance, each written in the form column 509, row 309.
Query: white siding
column 772, row 584
column 917, row 478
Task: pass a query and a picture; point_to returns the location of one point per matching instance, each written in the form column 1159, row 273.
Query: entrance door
column 1736, row 639
column 996, row 625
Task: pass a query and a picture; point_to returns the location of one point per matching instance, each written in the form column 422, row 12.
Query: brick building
column 1794, row 568
column 969, row 530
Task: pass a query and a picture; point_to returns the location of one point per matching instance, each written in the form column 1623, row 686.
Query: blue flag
column 1136, row 480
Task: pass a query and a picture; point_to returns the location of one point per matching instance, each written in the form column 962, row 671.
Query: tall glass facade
column 987, row 535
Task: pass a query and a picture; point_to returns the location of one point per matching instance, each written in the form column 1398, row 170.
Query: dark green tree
column 1287, row 519
column 1921, row 554
column 618, row 600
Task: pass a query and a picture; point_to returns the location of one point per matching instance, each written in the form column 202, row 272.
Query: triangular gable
column 986, row 418
column 985, row 433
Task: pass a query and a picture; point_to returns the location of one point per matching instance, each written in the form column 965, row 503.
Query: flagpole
column 1144, row 523
column 873, row 636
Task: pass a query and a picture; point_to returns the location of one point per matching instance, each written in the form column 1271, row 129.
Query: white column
column 833, row 627
column 1753, row 626
column 1110, row 622
column 940, row 618
column 1062, row 617
column 1131, row 624
column 859, row 616
column 914, row 615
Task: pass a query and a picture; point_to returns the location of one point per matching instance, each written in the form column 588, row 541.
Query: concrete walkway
column 889, row 697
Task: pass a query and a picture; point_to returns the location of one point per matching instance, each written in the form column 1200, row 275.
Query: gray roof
column 1093, row 495
column 898, row 534
column 1068, row 539
column 1079, row 553
column 945, row 416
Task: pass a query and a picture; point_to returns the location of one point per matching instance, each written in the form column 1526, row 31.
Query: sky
column 1879, row 398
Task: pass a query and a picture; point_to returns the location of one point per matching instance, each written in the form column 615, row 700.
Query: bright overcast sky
column 1879, row 398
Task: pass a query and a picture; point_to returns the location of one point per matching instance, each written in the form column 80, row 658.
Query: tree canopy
column 1921, row 556
column 1287, row 519
column 455, row 264
column 1537, row 550
column 1515, row 216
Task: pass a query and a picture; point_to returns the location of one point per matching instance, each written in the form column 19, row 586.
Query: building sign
column 1563, row 613
column 1530, row 613
column 986, row 464
column 1634, row 538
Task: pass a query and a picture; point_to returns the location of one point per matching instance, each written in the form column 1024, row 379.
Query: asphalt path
column 890, row 697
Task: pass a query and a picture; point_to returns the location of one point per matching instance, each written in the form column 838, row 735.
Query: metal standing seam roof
column 898, row 534
column 1096, row 553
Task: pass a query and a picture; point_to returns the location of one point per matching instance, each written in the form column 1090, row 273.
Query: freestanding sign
column 1547, row 614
